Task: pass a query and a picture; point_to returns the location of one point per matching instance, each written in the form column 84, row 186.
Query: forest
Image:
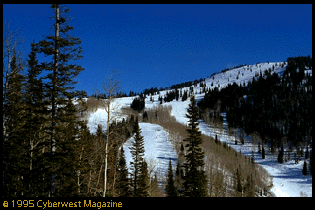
column 48, row 150
column 278, row 108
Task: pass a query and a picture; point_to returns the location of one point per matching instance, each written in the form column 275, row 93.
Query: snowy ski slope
column 288, row 180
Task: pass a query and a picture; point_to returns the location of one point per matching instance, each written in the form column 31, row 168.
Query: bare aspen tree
column 111, row 87
column 11, row 42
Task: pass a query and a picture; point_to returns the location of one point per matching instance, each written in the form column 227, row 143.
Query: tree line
column 47, row 149
column 226, row 171
column 40, row 127
column 279, row 109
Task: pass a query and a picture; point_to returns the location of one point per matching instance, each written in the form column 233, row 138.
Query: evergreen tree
column 66, row 158
column 195, row 179
column 34, row 125
column 280, row 155
column 137, row 152
column 310, row 163
column 307, row 153
column 170, row 188
column 62, row 124
column 259, row 148
column 185, row 96
column 143, row 181
column 145, row 116
column 123, row 188
column 238, row 182
column 138, row 104
column 15, row 147
column 179, row 173
column 263, row 153
column 304, row 170
column 249, row 188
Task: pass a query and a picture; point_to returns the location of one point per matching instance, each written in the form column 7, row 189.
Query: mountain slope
column 287, row 178
column 158, row 149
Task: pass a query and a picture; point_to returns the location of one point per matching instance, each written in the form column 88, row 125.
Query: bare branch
column 111, row 87
column 11, row 41
column 112, row 84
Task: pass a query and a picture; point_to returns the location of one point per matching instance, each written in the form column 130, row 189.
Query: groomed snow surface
column 288, row 180
column 158, row 149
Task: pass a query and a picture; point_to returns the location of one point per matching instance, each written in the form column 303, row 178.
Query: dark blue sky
column 162, row 45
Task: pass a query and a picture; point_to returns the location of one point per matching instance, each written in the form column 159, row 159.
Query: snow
column 288, row 180
column 158, row 149
column 100, row 116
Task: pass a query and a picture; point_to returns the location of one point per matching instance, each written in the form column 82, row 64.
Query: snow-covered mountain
column 287, row 179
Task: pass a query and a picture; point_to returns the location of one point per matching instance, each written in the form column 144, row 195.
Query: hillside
column 287, row 177
column 158, row 149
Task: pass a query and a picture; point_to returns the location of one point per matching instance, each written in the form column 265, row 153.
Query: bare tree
column 11, row 42
column 111, row 87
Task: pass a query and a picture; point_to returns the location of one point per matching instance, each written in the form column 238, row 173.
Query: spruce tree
column 195, row 182
column 238, row 182
column 123, row 188
column 137, row 152
column 62, row 48
column 179, row 173
column 263, row 153
column 304, row 170
column 307, row 153
column 280, row 155
column 143, row 184
column 34, row 125
column 310, row 163
column 170, row 188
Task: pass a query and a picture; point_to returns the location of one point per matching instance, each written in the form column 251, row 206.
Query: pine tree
column 62, row 124
column 304, row 170
column 249, row 188
column 137, row 152
column 34, row 125
column 67, row 154
column 145, row 116
column 238, row 182
column 170, row 188
column 185, row 96
column 123, row 188
column 307, row 153
column 280, row 155
column 263, row 153
column 259, row 148
column 195, row 179
column 310, row 163
column 179, row 173
column 143, row 184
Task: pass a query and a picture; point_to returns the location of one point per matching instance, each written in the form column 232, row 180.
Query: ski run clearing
column 158, row 149
column 288, row 180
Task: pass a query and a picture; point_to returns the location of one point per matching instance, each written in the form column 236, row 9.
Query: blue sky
column 162, row 45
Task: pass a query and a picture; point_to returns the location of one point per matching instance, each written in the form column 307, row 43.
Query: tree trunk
column 106, row 144
column 53, row 99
